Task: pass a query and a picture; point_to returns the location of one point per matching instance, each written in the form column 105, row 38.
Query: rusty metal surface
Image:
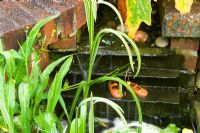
column 175, row 24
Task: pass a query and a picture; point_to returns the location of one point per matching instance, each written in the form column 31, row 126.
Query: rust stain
column 188, row 31
column 183, row 22
column 174, row 17
column 170, row 24
column 180, row 29
column 173, row 31
column 191, row 17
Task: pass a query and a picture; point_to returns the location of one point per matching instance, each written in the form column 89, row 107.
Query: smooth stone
column 140, row 36
column 198, row 80
column 162, row 42
column 124, row 28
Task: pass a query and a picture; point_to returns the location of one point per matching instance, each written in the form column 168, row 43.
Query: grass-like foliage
column 23, row 94
column 28, row 99
column 80, row 122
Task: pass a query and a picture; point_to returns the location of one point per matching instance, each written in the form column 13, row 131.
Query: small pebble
column 124, row 28
column 152, row 45
column 141, row 36
column 162, row 42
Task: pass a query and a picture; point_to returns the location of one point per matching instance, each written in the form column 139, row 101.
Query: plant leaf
column 75, row 125
column 3, row 107
column 123, row 37
column 183, row 6
column 91, row 115
column 45, row 79
column 10, row 98
column 114, row 9
column 55, row 88
column 62, row 103
column 95, row 100
column 10, row 61
column 83, row 117
column 171, row 128
column 138, row 11
column 87, row 12
column 35, row 75
column 106, row 78
column 100, row 122
column 26, row 49
column 46, row 122
column 78, row 92
column 94, row 9
column 24, row 99
column 50, row 67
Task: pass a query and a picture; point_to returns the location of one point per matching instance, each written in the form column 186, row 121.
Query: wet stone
column 175, row 24
column 162, row 42
column 7, row 24
column 33, row 9
column 141, row 36
column 9, row 33
column 13, row 11
column 16, row 16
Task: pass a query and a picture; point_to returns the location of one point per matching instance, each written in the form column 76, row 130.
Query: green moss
column 186, row 52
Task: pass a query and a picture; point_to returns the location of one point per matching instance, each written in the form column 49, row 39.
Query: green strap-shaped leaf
column 56, row 86
column 138, row 11
column 45, row 79
column 10, row 96
column 26, row 49
column 46, row 122
column 4, row 110
column 10, row 57
column 91, row 115
column 75, row 125
column 62, row 103
column 24, row 99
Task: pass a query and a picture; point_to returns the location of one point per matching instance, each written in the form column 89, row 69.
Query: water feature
column 162, row 74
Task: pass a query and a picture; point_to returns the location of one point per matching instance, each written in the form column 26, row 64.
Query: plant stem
column 91, row 41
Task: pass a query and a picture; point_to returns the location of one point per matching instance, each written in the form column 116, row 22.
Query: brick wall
column 17, row 16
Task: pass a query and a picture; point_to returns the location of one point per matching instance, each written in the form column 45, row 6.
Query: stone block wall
column 183, row 30
column 17, row 16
